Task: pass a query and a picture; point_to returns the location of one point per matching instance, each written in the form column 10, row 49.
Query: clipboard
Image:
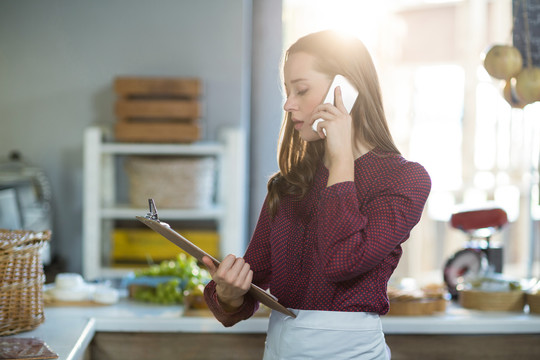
column 153, row 222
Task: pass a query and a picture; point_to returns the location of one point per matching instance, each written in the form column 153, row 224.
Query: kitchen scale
column 480, row 255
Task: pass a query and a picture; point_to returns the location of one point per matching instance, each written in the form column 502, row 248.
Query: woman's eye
column 301, row 92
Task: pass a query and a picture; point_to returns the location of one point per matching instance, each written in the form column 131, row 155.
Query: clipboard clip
column 153, row 214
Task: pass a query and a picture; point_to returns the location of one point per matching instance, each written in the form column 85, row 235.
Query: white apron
column 325, row 335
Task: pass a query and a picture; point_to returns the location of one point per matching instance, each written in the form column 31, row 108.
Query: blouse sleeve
column 353, row 240
column 228, row 319
column 258, row 258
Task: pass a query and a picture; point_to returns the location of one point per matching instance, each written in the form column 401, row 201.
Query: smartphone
column 348, row 93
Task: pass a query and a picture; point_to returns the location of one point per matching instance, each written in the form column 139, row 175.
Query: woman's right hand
column 233, row 279
column 339, row 126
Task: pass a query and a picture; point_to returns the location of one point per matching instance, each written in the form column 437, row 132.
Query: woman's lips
column 298, row 124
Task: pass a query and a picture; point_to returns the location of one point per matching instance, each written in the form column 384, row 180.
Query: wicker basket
column 534, row 302
column 173, row 182
column 417, row 307
column 492, row 301
column 21, row 280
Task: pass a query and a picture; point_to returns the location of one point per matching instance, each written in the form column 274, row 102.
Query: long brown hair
column 298, row 159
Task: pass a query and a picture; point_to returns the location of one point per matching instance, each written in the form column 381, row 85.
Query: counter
column 69, row 330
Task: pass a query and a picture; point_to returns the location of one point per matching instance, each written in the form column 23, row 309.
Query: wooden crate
column 157, row 132
column 154, row 86
column 150, row 109
column 158, row 110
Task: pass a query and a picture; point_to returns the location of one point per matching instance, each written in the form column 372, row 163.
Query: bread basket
column 492, row 300
column 533, row 299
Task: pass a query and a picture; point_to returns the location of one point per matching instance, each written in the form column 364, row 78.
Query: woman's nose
column 289, row 105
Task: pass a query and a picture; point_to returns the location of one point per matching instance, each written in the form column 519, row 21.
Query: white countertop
column 69, row 330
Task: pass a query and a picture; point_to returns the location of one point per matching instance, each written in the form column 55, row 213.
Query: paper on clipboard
column 186, row 245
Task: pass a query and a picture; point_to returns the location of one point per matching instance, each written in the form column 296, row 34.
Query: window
column 447, row 113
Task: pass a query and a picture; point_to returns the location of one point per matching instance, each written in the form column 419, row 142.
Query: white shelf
column 110, row 272
column 126, row 212
column 101, row 205
column 195, row 149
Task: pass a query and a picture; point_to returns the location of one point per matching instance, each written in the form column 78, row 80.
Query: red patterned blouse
column 336, row 248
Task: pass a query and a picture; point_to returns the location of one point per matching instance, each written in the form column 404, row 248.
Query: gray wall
column 58, row 59
column 267, row 111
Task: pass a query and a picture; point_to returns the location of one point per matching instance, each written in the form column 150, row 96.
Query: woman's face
column 306, row 89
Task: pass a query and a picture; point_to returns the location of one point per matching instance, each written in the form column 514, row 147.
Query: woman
column 330, row 231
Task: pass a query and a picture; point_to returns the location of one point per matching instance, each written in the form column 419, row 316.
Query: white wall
column 58, row 59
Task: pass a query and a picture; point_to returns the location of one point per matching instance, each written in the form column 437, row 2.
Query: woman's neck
column 358, row 150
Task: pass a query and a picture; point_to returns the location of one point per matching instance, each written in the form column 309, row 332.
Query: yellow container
column 138, row 245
